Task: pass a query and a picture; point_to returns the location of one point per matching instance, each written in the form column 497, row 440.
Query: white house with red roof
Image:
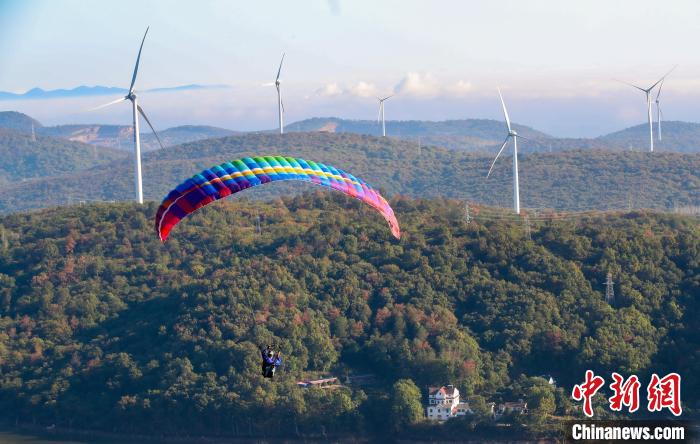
column 443, row 403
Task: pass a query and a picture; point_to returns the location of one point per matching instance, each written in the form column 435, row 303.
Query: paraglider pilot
column 270, row 361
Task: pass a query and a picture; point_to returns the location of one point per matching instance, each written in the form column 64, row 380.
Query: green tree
column 406, row 407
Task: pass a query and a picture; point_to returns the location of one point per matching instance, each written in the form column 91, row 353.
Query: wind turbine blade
column 629, row 84
column 505, row 111
column 658, row 93
column 138, row 59
column 663, row 78
column 279, row 71
column 387, row 97
column 108, row 104
column 505, row 142
column 379, row 114
column 149, row 124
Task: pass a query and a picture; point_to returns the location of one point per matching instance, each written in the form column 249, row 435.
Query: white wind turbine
column 138, row 181
column 515, row 136
column 647, row 92
column 280, row 104
column 381, row 112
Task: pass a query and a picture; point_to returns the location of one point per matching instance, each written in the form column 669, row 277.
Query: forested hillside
column 122, row 136
column 676, row 136
column 18, row 121
column 487, row 129
column 486, row 135
column 575, row 180
column 470, row 135
column 111, row 136
column 103, row 326
column 23, row 159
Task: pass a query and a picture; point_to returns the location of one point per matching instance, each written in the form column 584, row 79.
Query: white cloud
column 363, row 89
column 417, row 84
column 359, row 89
column 413, row 84
column 329, row 90
column 426, row 85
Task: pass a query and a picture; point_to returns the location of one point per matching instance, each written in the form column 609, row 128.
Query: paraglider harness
column 270, row 361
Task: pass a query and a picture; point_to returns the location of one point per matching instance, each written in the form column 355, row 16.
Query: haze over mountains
column 86, row 91
column 110, row 136
column 471, row 135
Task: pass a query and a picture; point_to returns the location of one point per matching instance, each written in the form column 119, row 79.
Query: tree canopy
column 102, row 326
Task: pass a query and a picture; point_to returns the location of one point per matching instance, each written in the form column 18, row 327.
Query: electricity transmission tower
column 609, row 292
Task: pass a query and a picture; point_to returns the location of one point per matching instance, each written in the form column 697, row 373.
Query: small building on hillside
column 444, row 403
column 321, row 383
column 518, row 406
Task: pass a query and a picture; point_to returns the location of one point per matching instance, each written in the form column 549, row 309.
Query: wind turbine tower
column 138, row 181
column 659, row 114
column 280, row 104
column 381, row 112
column 647, row 92
column 514, row 135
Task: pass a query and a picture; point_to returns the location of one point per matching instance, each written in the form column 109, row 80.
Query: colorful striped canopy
column 237, row 175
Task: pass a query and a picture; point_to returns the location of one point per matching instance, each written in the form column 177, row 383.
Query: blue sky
column 555, row 60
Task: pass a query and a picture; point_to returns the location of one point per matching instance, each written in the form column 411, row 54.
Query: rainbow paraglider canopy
column 237, row 175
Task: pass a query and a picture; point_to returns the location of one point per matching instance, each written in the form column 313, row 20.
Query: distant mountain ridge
column 678, row 136
column 111, row 136
column 121, row 136
column 476, row 135
column 468, row 135
column 87, row 91
column 486, row 135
